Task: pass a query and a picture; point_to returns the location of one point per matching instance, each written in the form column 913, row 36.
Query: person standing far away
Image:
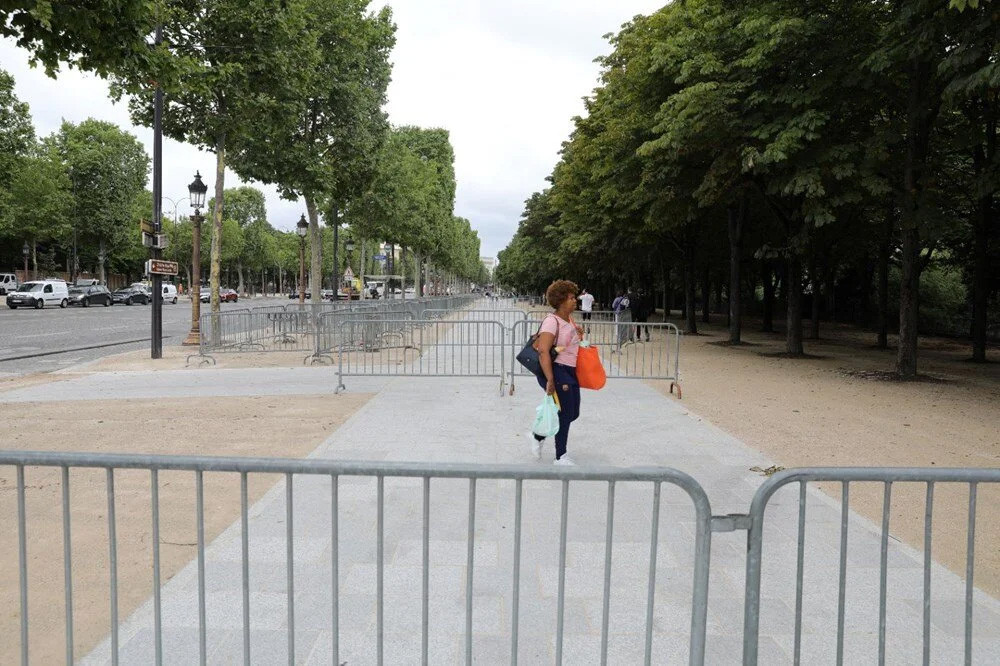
column 623, row 317
column 586, row 306
column 639, row 305
column 558, row 330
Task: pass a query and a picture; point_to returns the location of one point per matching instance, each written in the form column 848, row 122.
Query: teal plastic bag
column 546, row 418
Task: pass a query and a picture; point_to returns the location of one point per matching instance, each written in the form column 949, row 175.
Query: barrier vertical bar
column 970, row 554
column 883, row 570
column 516, row 594
column 799, row 569
column 200, row 520
column 67, row 565
column 606, row 605
column 470, row 563
column 22, row 563
column 245, row 564
column 154, row 488
column 425, row 582
column 928, row 511
column 560, row 608
column 654, row 539
column 113, row 563
column 290, row 562
column 380, row 546
column 335, row 563
column 841, row 595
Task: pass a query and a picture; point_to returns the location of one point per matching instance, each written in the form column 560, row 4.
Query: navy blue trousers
column 568, row 390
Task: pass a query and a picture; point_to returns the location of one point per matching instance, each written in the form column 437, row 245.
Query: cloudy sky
column 505, row 77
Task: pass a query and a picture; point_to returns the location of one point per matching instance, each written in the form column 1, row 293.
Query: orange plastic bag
column 589, row 371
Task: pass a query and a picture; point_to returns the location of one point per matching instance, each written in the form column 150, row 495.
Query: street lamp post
column 348, row 248
column 25, row 250
column 387, row 248
column 197, row 190
column 302, row 228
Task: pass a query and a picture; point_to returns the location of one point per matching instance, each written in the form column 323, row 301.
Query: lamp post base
column 193, row 339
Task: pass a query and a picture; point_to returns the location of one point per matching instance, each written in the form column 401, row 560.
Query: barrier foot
column 511, row 389
column 340, row 388
column 322, row 359
column 203, row 359
column 672, row 385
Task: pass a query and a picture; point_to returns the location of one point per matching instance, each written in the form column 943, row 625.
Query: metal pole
column 194, row 335
column 156, row 337
column 336, row 245
column 302, row 269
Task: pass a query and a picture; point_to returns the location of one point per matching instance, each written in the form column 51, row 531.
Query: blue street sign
column 379, row 257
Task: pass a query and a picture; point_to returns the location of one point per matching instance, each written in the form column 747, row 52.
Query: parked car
column 93, row 295
column 130, row 296
column 8, row 283
column 38, row 294
column 169, row 293
column 228, row 296
column 205, row 294
column 295, row 294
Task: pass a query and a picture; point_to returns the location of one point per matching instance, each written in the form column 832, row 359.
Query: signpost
column 161, row 267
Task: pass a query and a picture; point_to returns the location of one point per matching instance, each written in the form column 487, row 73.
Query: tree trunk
column 981, row 238
column 316, row 248
column 402, row 272
column 718, row 296
column 767, row 275
column 100, row 261
column 883, row 281
column 706, row 296
column 690, row 311
column 216, row 251
column 736, row 214
column 417, row 286
column 923, row 104
column 793, row 291
column 814, row 282
column 909, row 286
column 34, row 259
column 241, row 287
column 668, row 295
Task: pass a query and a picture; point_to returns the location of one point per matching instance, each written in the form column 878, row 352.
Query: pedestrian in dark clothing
column 639, row 304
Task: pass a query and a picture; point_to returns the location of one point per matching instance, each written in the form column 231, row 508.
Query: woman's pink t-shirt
column 565, row 336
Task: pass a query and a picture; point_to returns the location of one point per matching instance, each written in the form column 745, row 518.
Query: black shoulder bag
column 528, row 356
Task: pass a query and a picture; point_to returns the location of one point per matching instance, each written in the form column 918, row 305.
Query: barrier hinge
column 731, row 522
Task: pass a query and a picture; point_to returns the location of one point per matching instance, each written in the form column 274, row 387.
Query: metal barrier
column 886, row 477
column 299, row 327
column 321, row 498
column 659, row 358
column 443, row 348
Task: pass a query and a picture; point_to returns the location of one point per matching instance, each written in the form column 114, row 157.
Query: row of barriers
column 435, row 339
column 352, row 510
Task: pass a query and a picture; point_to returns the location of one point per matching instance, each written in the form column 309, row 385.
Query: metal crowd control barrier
column 440, row 348
column 623, row 356
column 886, row 477
column 340, row 474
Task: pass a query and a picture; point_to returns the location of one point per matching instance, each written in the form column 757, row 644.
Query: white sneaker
column 565, row 460
column 536, row 446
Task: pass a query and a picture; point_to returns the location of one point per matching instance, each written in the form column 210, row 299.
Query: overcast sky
column 505, row 77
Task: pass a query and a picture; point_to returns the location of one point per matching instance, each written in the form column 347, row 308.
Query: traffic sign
column 161, row 267
column 146, row 227
column 348, row 274
column 379, row 257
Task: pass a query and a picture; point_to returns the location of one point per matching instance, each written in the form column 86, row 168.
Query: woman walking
column 558, row 330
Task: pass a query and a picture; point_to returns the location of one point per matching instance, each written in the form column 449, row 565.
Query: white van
column 38, row 294
column 169, row 293
column 8, row 283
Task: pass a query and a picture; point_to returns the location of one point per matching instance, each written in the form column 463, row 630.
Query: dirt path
column 257, row 426
column 823, row 411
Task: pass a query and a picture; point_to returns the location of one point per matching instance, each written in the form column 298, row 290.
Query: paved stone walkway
column 465, row 420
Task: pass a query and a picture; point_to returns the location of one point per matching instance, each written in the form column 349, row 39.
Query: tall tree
column 17, row 137
column 231, row 61
column 107, row 168
column 322, row 145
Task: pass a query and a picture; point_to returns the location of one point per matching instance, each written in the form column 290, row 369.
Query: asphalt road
column 26, row 332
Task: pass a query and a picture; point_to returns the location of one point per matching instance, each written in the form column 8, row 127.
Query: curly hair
column 559, row 291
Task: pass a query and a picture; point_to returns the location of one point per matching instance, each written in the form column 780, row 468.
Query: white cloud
column 504, row 77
